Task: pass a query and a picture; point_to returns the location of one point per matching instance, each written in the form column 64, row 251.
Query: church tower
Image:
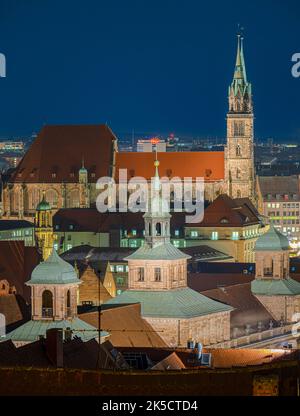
column 157, row 279
column 43, row 228
column 239, row 155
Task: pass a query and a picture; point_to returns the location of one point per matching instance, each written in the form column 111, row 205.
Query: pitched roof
column 247, row 309
column 14, row 308
column 227, row 212
column 165, row 251
column 280, row 186
column 89, row 219
column 176, row 303
column 32, row 330
column 46, row 162
column 221, row 358
column 91, row 288
column 126, row 326
column 207, row 281
column 275, row 287
column 16, row 264
column 272, row 240
column 209, row 165
column 14, row 224
column 171, row 362
column 76, row 354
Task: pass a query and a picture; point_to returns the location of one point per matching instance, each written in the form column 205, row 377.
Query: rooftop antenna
column 132, row 139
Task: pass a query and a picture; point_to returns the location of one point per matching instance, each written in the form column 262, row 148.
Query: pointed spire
column 156, row 183
column 240, row 69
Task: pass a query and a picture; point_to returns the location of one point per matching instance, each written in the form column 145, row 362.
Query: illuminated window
column 215, row 235
column 194, row 234
column 235, row 235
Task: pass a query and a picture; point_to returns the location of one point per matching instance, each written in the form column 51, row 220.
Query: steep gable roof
column 57, row 152
column 209, row 165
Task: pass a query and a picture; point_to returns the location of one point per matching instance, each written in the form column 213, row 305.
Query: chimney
column 199, row 351
column 68, row 334
column 54, row 346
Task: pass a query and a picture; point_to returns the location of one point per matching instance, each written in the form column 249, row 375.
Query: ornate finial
column 240, row 31
column 82, row 162
column 156, row 163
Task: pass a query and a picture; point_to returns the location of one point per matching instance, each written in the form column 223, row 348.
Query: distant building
column 11, row 146
column 231, row 226
column 65, row 162
column 279, row 200
column 17, row 230
column 150, row 146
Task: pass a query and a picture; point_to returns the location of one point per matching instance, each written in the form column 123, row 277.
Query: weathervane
column 240, row 31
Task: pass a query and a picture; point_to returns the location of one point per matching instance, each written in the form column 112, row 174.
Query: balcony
column 47, row 312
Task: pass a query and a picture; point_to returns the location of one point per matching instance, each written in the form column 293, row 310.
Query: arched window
column 149, row 229
column 52, row 198
column 238, row 173
column 238, row 128
column 238, row 150
column 238, row 193
column 68, row 299
column 73, row 199
column 68, row 303
column 158, row 228
column 47, row 304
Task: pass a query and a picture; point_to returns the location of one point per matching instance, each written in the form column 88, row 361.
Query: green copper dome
column 43, row 205
column 272, row 240
column 54, row 270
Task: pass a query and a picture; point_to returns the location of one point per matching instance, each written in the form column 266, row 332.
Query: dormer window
column 53, row 175
column 224, row 221
column 93, row 175
column 72, row 174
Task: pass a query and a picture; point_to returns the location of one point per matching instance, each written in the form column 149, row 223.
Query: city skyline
column 156, row 68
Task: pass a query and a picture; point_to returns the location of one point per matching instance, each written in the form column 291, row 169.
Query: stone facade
column 208, row 329
column 64, row 302
column 282, row 308
column 239, row 158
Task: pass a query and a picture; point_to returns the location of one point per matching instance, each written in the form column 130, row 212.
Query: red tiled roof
column 126, row 326
column 16, row 265
column 227, row 212
column 209, row 165
column 56, row 154
column 247, row 309
column 209, row 281
column 89, row 219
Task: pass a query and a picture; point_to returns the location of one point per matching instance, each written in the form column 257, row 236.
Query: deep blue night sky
column 155, row 66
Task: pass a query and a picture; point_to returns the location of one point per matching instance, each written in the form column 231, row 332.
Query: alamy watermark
column 296, row 67
column 2, row 326
column 138, row 195
column 2, row 65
